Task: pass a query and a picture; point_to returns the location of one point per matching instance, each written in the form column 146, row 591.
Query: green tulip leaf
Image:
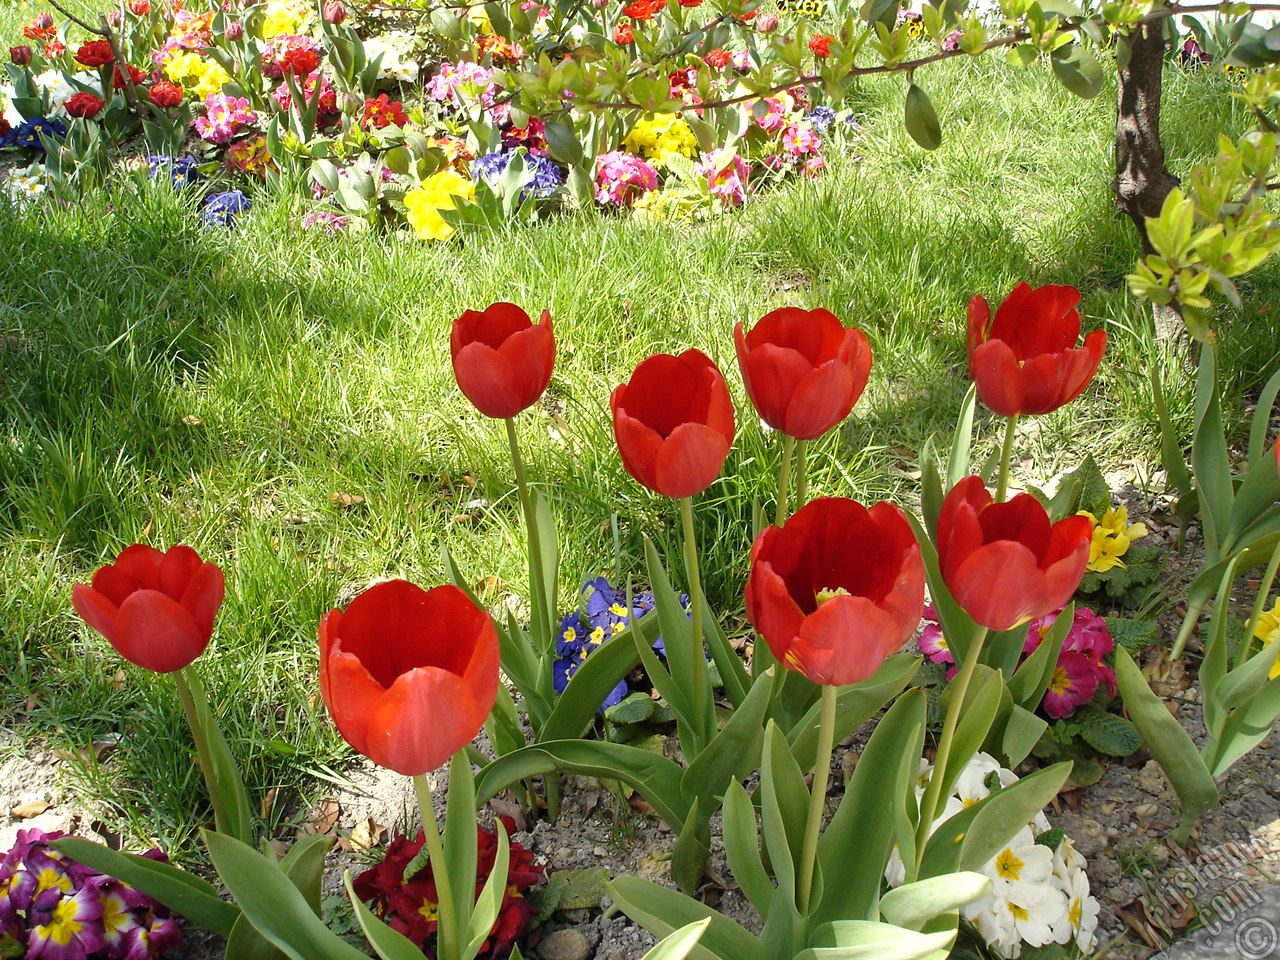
column 1022, row 731
column 977, row 714
column 678, row 945
column 246, row 943
column 1245, row 727
column 742, row 848
column 912, row 905
column 973, row 836
column 856, row 843
column 655, row 777
column 182, row 892
column 733, row 674
column 733, row 754
column 575, row 709
column 275, row 907
column 957, row 626
column 856, row 704
column 459, row 843
column 1030, row 681
column 784, row 802
column 693, row 846
column 662, row 911
column 1209, row 460
column 389, row 944
column 871, row 940
column 485, row 913
column 1168, row 742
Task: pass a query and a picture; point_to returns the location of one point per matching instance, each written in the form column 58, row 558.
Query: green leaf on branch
column 921, row 120
column 1077, row 70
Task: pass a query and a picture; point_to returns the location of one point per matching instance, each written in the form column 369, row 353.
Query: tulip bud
column 20, row 56
column 767, row 22
column 599, row 4
column 234, row 31
column 43, row 21
column 114, row 19
column 350, row 103
column 334, row 13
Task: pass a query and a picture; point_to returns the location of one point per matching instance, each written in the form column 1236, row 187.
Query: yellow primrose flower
column 1268, row 631
column 438, row 192
column 1111, row 538
column 660, row 136
column 480, row 18
column 283, row 16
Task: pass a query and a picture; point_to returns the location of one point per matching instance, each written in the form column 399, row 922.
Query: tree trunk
column 1142, row 181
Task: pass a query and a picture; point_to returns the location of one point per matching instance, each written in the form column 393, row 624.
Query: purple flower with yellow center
column 50, row 879
column 604, row 613
column 1074, row 682
column 933, row 644
column 71, row 930
column 151, row 939
column 118, row 903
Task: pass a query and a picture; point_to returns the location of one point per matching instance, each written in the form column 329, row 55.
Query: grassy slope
column 163, row 384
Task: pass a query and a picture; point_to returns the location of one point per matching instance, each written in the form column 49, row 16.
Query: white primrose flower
column 396, row 50
column 1081, row 919
column 24, row 187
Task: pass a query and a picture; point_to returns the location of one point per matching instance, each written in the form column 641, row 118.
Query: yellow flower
column 660, row 136
column 480, row 18
column 283, row 16
column 198, row 76
column 1268, row 631
column 438, row 192
column 1111, row 538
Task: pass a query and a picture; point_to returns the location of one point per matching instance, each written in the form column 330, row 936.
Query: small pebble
column 1145, row 811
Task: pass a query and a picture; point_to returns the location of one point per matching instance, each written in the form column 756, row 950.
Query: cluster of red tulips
column 409, row 675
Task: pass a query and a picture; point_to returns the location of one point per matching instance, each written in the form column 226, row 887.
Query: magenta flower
column 799, row 139
column 1088, row 635
column 775, row 117
column 148, row 940
column 224, row 118
column 1073, row 684
column 932, row 643
column 621, row 178
column 70, row 930
column 727, row 175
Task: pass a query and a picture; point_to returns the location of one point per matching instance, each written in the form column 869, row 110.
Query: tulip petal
column 156, row 632
column 176, row 570
column 531, row 355
column 843, row 641
column 1021, row 519
column 97, row 610
column 353, row 696
column 690, row 460
column 979, row 324
column 638, row 446
column 488, row 380
column 491, row 326
column 995, row 370
column 771, row 374
column 142, row 563
column 820, row 401
column 426, row 717
column 1000, row 585
column 395, row 626
column 772, row 609
column 1044, row 321
column 115, row 583
column 204, row 595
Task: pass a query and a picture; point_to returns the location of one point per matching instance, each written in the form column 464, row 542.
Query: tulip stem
column 1006, row 454
column 802, row 474
column 541, row 618
column 701, row 695
column 446, row 946
column 818, row 797
column 187, row 680
column 959, row 690
column 1260, row 603
column 781, row 511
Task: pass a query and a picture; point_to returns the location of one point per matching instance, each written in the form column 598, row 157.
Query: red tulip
column 95, row 53
column 155, row 608
column 84, row 105
column 673, row 422
column 501, row 360
column 409, row 675
column 837, row 588
column 804, row 370
column 1026, row 360
column 1004, row 562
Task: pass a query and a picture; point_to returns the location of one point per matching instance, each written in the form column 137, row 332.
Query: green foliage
column 1133, row 635
column 1108, row 733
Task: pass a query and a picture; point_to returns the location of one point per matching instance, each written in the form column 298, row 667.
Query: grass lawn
column 166, row 384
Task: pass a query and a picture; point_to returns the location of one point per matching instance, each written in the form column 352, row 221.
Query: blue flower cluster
column 221, row 209
column 604, row 613
column 546, row 175
column 823, row 117
column 181, row 168
column 26, row 136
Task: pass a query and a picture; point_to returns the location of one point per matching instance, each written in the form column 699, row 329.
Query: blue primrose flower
column 26, row 136
column 181, row 168
column 604, row 613
column 547, row 177
column 821, row 118
column 221, row 209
